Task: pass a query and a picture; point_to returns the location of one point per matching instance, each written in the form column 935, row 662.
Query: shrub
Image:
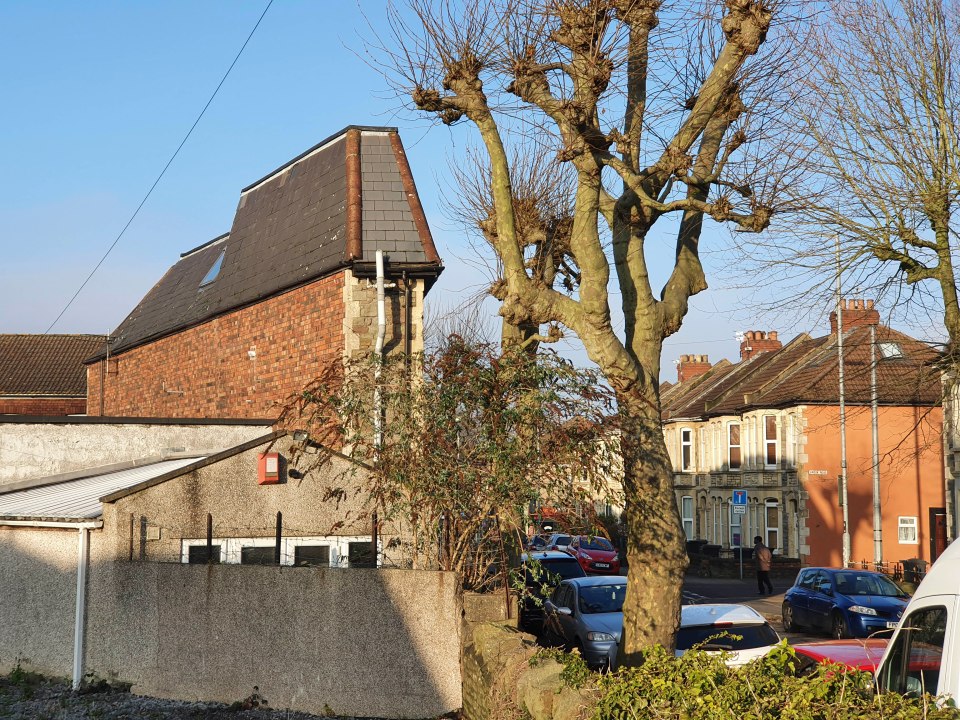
column 700, row 685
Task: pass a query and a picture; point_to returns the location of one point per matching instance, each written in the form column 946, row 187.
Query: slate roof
column 46, row 365
column 806, row 372
column 294, row 226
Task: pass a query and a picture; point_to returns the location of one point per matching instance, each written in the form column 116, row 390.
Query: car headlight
column 615, row 557
column 861, row 610
column 599, row 637
column 585, row 556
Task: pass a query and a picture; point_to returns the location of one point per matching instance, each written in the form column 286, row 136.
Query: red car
column 596, row 555
column 854, row 654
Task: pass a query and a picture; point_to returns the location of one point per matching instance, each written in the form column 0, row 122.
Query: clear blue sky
column 97, row 95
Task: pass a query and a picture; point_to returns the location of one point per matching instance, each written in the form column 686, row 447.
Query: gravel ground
column 24, row 696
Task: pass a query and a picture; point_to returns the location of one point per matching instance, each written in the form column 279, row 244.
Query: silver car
column 587, row 613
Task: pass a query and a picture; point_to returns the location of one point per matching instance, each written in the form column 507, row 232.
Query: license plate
column 602, row 565
column 892, row 625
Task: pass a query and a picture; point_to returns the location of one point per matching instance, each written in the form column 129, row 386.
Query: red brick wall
column 205, row 371
column 43, row 406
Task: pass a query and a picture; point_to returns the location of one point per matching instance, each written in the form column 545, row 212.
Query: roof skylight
column 214, row 270
column 891, row 350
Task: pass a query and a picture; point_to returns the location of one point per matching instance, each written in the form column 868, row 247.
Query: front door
column 938, row 532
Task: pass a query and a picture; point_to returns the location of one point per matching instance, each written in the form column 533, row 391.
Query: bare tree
column 881, row 114
column 479, row 436
column 659, row 114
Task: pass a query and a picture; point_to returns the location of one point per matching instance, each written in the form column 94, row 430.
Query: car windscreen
column 561, row 540
column 751, row 636
column 596, row 543
column 602, row 598
column 854, row 583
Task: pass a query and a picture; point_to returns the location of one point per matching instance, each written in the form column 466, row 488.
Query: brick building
column 44, row 374
column 770, row 424
column 240, row 323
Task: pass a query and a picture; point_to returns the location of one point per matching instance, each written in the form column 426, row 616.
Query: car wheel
column 840, row 630
column 789, row 624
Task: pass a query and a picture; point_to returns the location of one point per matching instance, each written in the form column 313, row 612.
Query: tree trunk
column 656, row 548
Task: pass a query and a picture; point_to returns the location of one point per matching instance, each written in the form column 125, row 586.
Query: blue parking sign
column 739, row 497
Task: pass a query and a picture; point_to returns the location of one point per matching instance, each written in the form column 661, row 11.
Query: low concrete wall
column 374, row 643
column 499, row 683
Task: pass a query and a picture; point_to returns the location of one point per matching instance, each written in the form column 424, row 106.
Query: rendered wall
column 328, row 500
column 911, row 480
column 374, row 643
column 32, row 450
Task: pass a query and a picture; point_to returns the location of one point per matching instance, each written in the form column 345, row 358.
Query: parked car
column 542, row 572
column 845, row 603
column 587, row 613
column 596, row 555
column 924, row 652
column 558, row 541
column 862, row 655
column 536, row 542
column 738, row 630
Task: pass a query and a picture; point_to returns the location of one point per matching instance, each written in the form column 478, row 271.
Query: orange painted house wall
column 911, row 480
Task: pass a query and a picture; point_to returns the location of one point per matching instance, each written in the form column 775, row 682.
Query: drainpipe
column 378, row 351
column 83, row 559
column 377, row 393
column 79, row 622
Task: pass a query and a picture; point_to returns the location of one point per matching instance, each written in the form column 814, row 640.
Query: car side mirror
column 564, row 611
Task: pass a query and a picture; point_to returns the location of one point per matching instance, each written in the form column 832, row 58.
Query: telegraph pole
column 877, row 517
column 843, row 420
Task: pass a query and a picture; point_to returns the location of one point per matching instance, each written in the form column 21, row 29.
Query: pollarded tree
column 678, row 107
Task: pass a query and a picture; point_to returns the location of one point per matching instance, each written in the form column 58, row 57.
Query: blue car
column 845, row 603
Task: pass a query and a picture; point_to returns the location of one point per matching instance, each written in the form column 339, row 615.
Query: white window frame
column 686, row 443
column 769, row 442
column 686, row 516
column 774, row 530
column 738, row 446
column 908, row 522
column 230, row 547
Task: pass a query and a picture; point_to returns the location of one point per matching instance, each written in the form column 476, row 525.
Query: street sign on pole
column 739, row 505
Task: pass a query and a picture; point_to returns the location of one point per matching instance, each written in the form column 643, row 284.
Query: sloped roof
column 910, row 379
column 79, row 499
column 806, row 371
column 46, row 365
column 334, row 205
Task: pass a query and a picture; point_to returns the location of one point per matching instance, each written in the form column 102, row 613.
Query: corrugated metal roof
column 76, row 499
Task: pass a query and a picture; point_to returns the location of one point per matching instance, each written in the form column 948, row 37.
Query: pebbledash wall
column 310, row 639
column 248, row 362
column 41, row 447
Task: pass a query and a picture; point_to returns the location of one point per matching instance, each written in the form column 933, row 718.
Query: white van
column 924, row 653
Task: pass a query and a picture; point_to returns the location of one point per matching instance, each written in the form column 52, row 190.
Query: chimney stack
column 691, row 366
column 756, row 341
column 856, row 313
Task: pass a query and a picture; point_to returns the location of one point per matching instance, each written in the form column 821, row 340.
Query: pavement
column 699, row 590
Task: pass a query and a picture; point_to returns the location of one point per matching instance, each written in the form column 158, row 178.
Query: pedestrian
column 763, row 557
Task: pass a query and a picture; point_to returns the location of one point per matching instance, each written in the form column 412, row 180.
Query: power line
column 162, row 172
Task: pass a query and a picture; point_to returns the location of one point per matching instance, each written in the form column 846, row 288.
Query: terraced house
column 770, row 424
